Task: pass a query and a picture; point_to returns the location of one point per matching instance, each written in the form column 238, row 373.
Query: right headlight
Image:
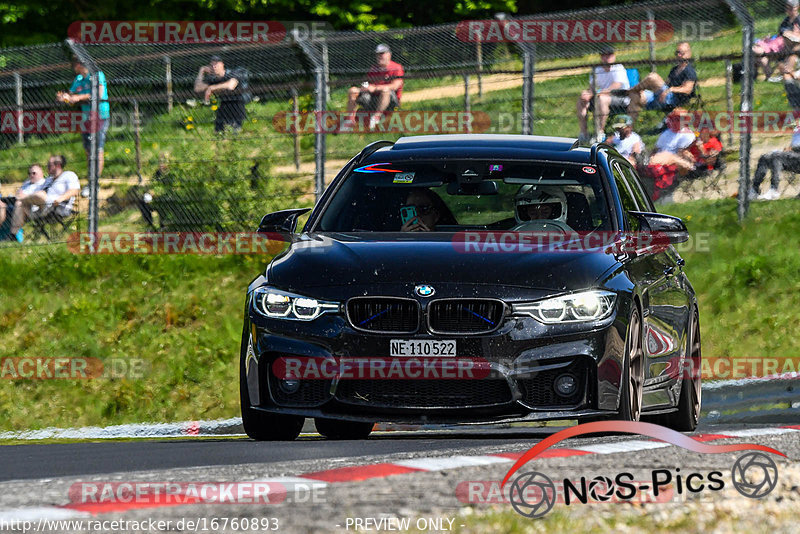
column 278, row 304
column 573, row 308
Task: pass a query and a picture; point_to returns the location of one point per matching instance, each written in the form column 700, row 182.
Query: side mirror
column 667, row 225
column 281, row 222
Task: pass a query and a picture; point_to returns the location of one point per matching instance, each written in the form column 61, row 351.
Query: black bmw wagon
column 472, row 278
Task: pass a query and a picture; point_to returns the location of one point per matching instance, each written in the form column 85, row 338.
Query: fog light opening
column 289, row 386
column 566, row 385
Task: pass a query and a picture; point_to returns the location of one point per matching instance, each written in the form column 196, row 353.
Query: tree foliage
column 45, row 21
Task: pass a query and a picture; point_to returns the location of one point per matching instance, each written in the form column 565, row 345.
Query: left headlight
column 278, row 304
column 573, row 308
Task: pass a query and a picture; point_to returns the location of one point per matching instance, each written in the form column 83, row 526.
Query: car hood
column 315, row 260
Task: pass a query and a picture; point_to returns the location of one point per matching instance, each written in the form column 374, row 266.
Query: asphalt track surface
column 75, row 459
column 34, row 461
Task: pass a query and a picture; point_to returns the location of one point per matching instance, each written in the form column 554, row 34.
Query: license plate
column 406, row 348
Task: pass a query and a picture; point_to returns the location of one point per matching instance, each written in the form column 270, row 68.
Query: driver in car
column 537, row 203
column 430, row 209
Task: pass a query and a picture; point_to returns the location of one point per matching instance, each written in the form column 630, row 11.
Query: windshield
column 461, row 195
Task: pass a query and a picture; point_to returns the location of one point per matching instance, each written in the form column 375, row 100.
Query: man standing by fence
column 229, row 86
column 81, row 93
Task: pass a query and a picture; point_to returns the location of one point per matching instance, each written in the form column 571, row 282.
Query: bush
column 223, row 190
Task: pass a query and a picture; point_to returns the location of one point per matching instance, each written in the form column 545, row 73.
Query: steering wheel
column 543, row 225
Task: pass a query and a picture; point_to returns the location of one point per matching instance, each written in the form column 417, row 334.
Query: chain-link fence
column 170, row 162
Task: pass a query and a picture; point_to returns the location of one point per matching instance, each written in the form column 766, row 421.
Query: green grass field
column 182, row 316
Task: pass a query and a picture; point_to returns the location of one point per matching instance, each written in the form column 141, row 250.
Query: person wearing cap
column 606, row 78
column 655, row 93
column 80, row 92
column 787, row 40
column 381, row 92
column 787, row 159
column 625, row 140
column 215, row 79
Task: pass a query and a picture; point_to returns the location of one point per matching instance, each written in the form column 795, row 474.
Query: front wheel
column 338, row 429
column 258, row 425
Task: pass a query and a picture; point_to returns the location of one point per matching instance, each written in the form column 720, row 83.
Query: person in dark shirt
column 215, row 79
column 655, row 93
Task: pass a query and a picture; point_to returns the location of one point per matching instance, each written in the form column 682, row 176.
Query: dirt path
column 500, row 82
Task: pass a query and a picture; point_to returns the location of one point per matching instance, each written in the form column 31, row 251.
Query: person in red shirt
column 706, row 149
column 381, row 92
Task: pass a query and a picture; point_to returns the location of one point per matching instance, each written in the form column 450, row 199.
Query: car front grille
column 384, row 314
column 424, row 393
column 538, row 391
column 465, row 316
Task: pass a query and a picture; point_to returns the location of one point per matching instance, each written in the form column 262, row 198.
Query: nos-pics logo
column 533, row 494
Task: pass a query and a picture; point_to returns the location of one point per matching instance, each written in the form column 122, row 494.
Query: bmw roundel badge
column 424, row 290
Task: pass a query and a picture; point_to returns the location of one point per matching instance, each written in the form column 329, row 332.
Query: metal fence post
column 18, row 90
column 729, row 95
column 320, row 100
column 595, row 99
column 650, row 45
column 168, row 82
column 94, row 175
column 295, row 135
column 467, row 106
column 479, row 59
column 746, row 105
column 94, row 126
column 325, row 65
column 137, row 139
column 528, row 66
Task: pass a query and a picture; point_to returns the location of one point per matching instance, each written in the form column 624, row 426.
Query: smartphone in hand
column 407, row 213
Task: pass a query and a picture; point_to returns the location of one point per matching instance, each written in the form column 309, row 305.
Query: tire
column 631, row 386
column 338, row 429
column 263, row 426
column 685, row 418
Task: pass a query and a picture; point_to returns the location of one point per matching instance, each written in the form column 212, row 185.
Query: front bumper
column 523, row 358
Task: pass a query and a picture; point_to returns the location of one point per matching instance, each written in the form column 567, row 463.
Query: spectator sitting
column 215, row 79
column 381, row 92
column 674, row 143
column 706, row 150
column 609, row 77
column 625, row 140
column 786, row 40
column 56, row 196
column 81, row 93
column 777, row 160
column 24, row 203
column 654, row 93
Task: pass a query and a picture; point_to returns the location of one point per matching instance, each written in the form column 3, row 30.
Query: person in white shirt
column 24, row 203
column 625, row 140
column 609, row 77
column 57, row 195
column 672, row 146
